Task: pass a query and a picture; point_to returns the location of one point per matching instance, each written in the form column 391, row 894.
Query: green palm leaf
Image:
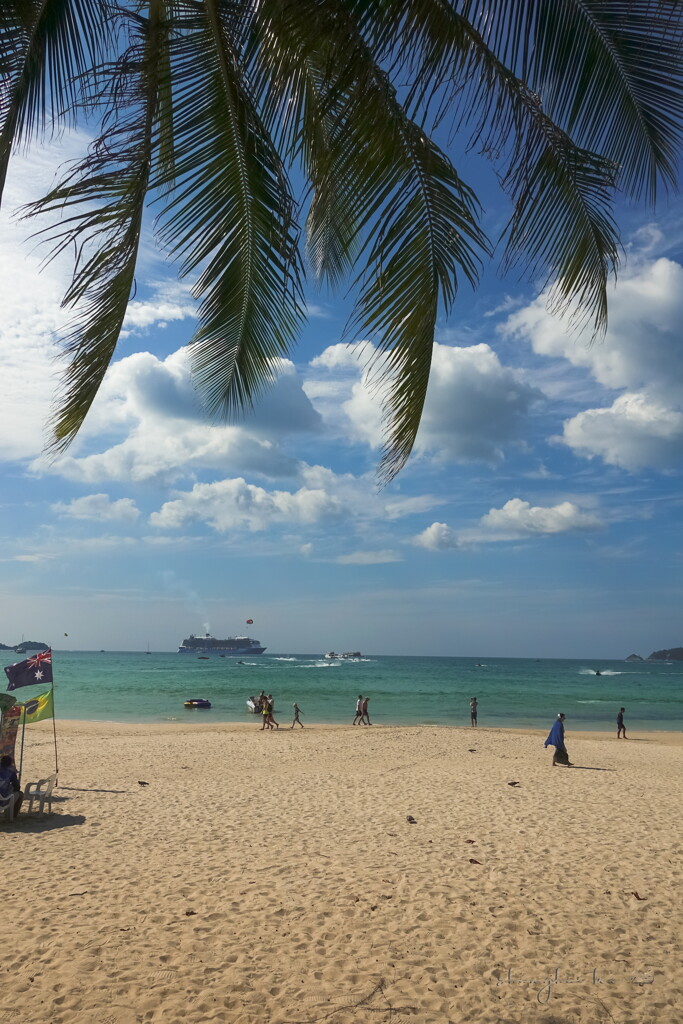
column 106, row 192
column 562, row 226
column 290, row 58
column 230, row 216
column 47, row 50
column 213, row 102
column 608, row 72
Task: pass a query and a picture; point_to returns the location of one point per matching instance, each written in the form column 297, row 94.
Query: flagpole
column 23, row 730
column 54, row 724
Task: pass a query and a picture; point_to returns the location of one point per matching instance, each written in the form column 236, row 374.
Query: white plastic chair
column 42, row 792
column 7, row 806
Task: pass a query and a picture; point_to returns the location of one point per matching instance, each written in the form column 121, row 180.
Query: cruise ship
column 207, row 644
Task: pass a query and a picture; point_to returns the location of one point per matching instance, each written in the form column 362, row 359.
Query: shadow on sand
column 27, row 823
column 75, row 789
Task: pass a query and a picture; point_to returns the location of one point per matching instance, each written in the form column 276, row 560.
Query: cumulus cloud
column 152, row 402
column 169, row 302
column 640, row 355
column 475, row 406
column 516, row 520
column 519, row 518
column 641, row 347
column 98, row 506
column 636, row 431
column 324, row 497
column 231, row 505
column 438, row 537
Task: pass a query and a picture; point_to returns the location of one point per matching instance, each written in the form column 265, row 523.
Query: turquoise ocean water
column 137, row 687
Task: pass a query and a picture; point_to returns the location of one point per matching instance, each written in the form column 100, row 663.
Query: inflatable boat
column 197, row 702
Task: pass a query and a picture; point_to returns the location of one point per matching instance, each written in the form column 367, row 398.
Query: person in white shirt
column 358, row 720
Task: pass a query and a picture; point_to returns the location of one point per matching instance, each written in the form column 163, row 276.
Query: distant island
column 26, row 645
column 673, row 654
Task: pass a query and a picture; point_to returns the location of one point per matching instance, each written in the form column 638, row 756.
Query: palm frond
column 382, row 191
column 48, row 52
column 230, row 216
column 562, row 226
column 425, row 238
column 106, row 192
column 609, row 73
column 292, row 68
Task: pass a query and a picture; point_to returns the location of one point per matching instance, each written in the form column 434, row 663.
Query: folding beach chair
column 42, row 792
column 7, row 806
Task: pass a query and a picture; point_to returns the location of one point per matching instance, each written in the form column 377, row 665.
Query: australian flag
column 34, row 671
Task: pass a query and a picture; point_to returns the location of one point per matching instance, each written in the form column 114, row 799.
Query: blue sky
column 539, row 515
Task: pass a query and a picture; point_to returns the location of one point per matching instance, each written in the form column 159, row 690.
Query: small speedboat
column 197, row 702
column 253, row 707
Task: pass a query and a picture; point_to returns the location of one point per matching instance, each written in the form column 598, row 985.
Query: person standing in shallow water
column 474, row 704
column 556, row 739
column 621, row 728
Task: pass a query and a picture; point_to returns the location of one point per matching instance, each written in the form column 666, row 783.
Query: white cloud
column 344, row 357
column 508, row 303
column 516, row 520
column 31, row 316
column 169, row 302
column 314, row 310
column 438, row 537
column 641, row 355
column 519, row 518
column 369, row 558
column 324, row 497
column 641, row 347
column 635, row 432
column 475, row 406
column 28, row 558
column 166, row 434
column 98, row 506
column 232, row 505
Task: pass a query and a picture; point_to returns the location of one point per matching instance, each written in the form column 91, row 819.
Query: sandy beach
column 275, row 877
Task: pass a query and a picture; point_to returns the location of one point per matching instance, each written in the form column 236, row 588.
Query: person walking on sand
column 366, row 713
column 271, row 712
column 621, row 728
column 358, row 720
column 473, row 711
column 556, row 739
column 265, row 715
column 297, row 712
